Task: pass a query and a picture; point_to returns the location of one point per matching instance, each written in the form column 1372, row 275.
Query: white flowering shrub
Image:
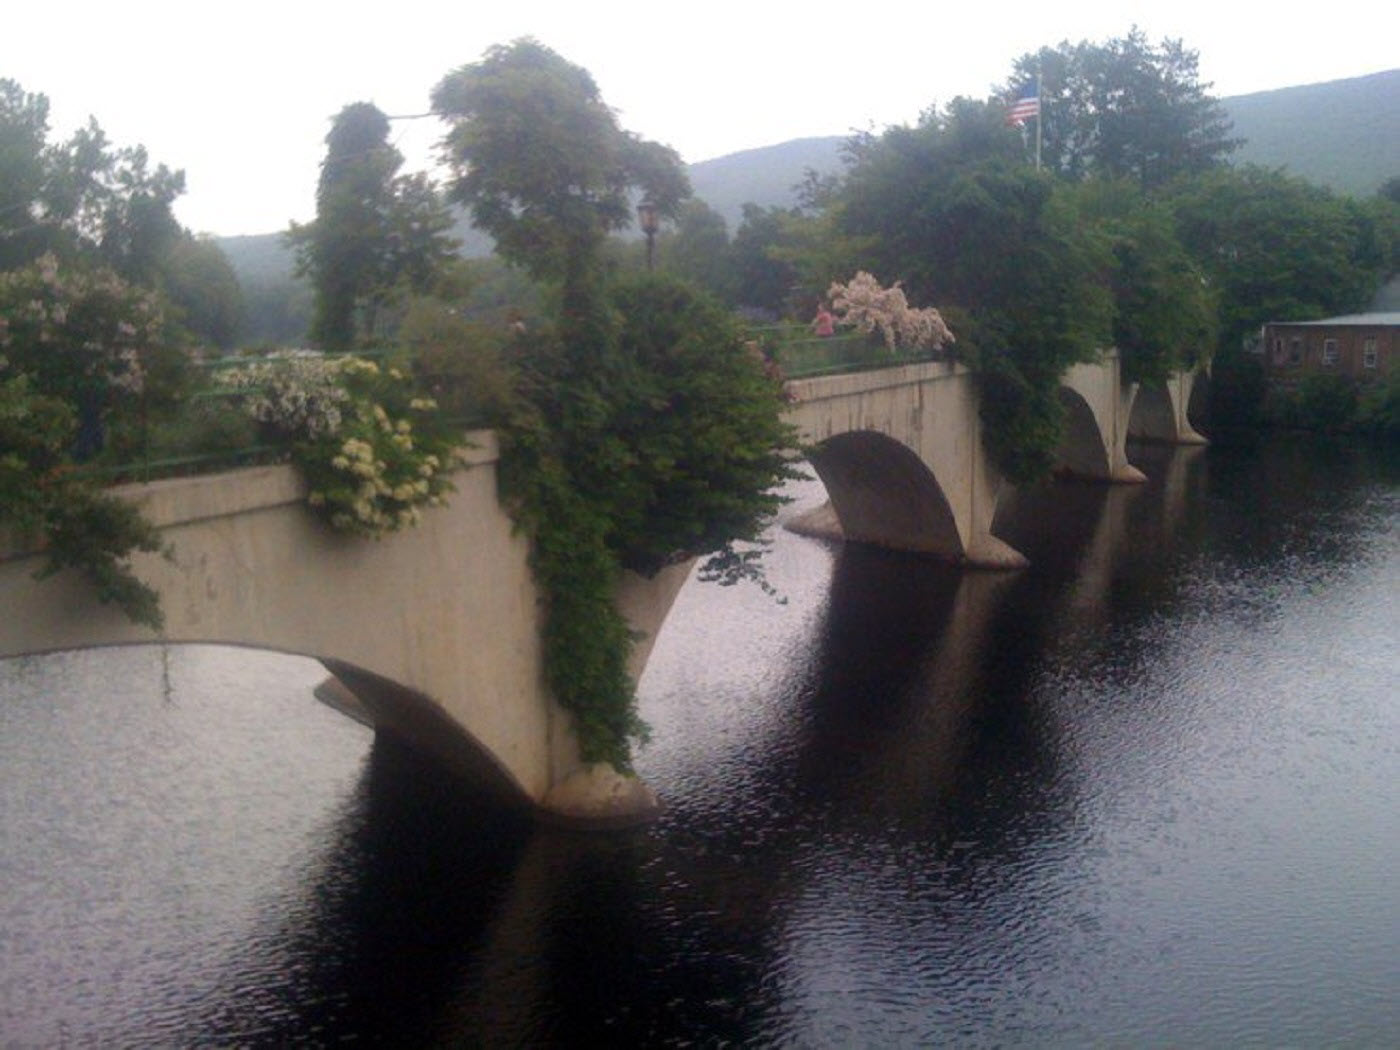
column 372, row 452
column 862, row 304
column 293, row 393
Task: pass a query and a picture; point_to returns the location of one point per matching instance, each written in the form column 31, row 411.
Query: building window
column 1280, row 353
column 1368, row 352
column 1295, row 351
column 1329, row 352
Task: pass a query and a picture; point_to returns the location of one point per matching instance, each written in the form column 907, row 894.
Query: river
column 1142, row 793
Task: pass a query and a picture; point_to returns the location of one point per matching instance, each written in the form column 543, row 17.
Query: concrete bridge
column 435, row 631
column 900, row 450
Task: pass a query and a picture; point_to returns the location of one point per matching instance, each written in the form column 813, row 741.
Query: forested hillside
column 1344, row 134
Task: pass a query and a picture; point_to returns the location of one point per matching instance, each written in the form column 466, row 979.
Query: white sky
column 240, row 95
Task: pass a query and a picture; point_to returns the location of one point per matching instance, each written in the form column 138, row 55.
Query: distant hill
column 764, row 176
column 1344, row 134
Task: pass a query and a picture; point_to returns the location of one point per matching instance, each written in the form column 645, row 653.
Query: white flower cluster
column 376, row 504
column 299, row 392
column 864, row 305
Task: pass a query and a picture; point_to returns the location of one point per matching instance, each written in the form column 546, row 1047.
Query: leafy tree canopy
column 1275, row 247
column 1125, row 109
column 80, row 197
column 376, row 235
column 949, row 208
column 541, row 161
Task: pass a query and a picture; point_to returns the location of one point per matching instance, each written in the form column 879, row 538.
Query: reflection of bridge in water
column 436, row 630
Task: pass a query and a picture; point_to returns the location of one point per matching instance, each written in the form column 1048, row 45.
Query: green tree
column 698, row 250
column 1164, row 310
column 762, row 277
column 24, row 123
column 1277, row 248
column 948, row 208
column 644, row 432
column 376, row 234
column 545, row 168
column 80, row 197
column 1126, row 109
column 203, row 290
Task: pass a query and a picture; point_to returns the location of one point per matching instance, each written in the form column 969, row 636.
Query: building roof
column 1372, row 320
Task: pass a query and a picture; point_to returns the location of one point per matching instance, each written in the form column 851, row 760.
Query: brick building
column 1361, row 346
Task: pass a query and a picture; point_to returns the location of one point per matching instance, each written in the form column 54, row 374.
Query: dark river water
column 1144, row 793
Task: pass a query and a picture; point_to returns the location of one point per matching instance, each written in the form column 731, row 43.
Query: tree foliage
column 1126, row 109
column 1164, row 307
column 83, row 528
column 80, row 197
column 644, row 432
column 203, row 291
column 377, row 234
column 1277, row 248
column 667, row 446
column 947, row 208
column 542, row 163
column 699, row 250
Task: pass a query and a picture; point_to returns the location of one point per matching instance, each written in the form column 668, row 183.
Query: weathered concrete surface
column 434, row 629
column 1098, row 406
column 901, row 454
column 1160, row 411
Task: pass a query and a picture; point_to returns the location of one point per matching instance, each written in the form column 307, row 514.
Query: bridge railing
column 210, row 432
column 801, row 355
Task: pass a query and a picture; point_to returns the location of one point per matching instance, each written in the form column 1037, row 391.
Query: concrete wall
column 1099, row 407
column 878, row 494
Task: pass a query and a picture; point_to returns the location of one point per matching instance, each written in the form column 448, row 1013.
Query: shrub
column 372, row 452
column 83, row 528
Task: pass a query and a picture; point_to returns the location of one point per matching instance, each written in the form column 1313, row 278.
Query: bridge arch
column 435, row 629
column 883, row 493
column 1082, row 451
column 1162, row 409
column 1098, row 406
column 917, row 426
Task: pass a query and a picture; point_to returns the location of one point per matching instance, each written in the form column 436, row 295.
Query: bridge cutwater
column 434, row 632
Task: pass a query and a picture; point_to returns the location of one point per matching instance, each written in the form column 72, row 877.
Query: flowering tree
column 862, row 304
column 79, row 332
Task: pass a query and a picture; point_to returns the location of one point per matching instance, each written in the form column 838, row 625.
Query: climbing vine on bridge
column 650, row 437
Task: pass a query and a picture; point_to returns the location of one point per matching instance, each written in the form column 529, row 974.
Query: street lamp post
column 650, row 220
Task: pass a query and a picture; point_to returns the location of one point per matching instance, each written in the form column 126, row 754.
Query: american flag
column 1027, row 105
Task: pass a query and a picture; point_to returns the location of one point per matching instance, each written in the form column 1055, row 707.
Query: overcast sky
column 240, row 95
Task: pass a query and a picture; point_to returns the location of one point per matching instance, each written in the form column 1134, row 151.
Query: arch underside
column 1082, row 451
column 884, row 494
column 1154, row 416
column 373, row 700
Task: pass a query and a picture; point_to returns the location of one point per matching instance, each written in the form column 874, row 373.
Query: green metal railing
column 797, row 353
column 801, row 355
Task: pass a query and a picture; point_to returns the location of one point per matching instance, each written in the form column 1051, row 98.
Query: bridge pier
column 1098, row 406
column 1160, row 411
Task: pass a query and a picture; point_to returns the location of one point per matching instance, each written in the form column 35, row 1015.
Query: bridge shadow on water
column 389, row 917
